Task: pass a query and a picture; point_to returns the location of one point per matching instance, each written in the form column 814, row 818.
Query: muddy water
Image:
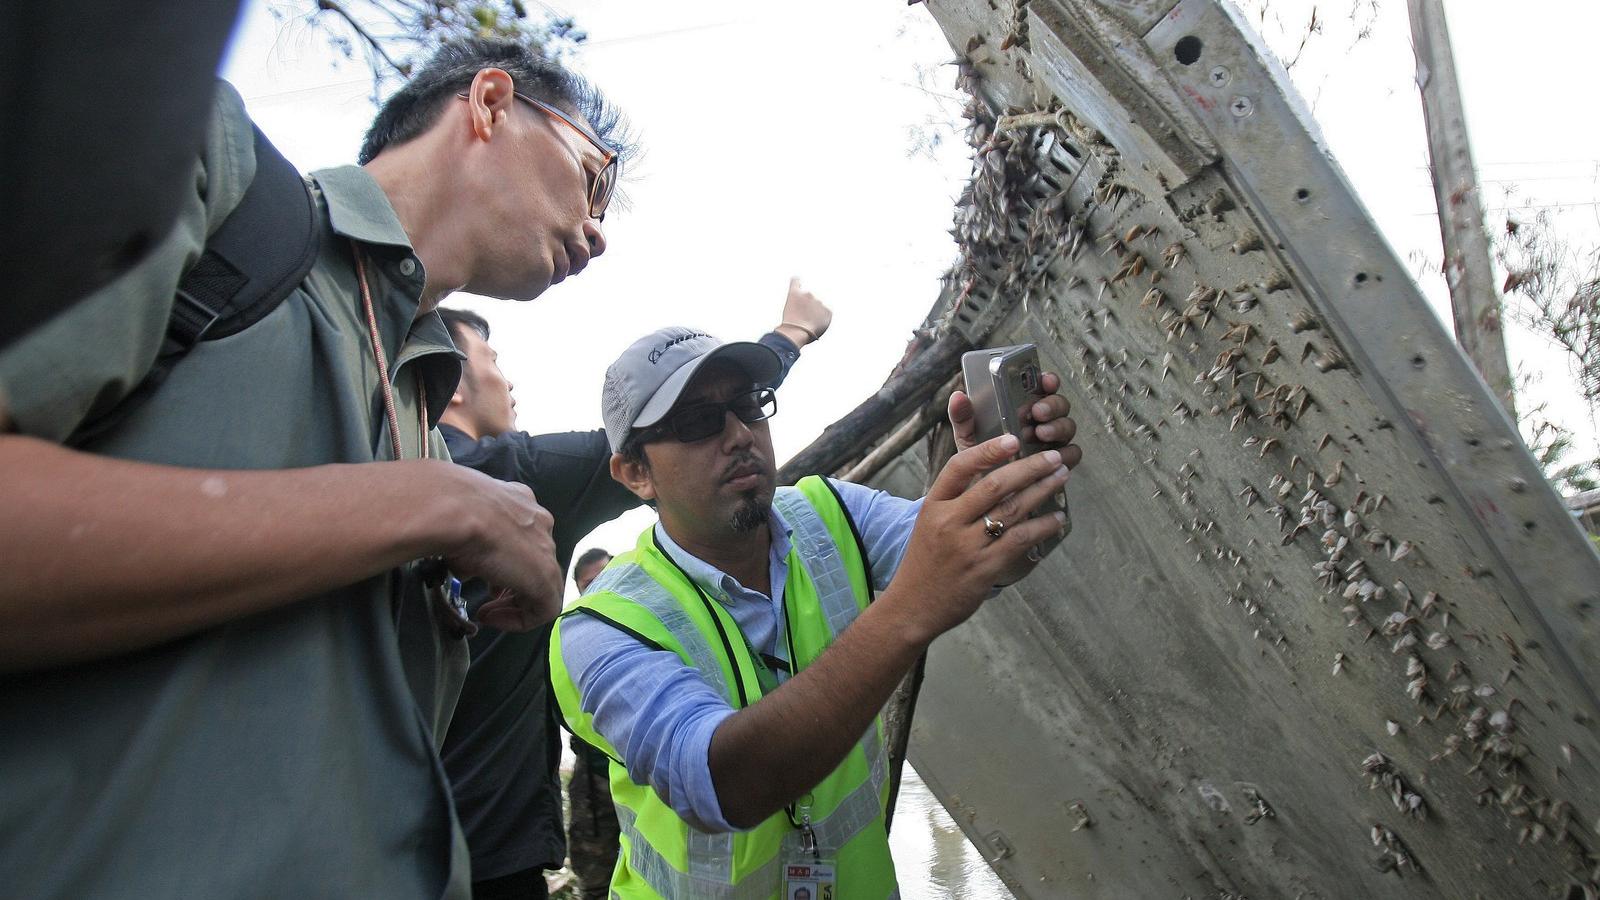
column 934, row 860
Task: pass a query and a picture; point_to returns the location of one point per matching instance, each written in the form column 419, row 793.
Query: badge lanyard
column 808, row 870
column 769, row 682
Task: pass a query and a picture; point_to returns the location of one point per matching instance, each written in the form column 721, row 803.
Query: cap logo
column 656, row 354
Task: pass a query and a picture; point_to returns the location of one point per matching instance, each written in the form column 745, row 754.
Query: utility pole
column 1473, row 296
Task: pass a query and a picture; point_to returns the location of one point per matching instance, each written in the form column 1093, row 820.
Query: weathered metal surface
column 1321, row 629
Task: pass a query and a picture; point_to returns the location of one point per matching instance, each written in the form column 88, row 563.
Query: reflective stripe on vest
column 861, row 807
column 831, row 580
column 634, row 583
column 648, row 865
column 821, row 558
column 854, row 814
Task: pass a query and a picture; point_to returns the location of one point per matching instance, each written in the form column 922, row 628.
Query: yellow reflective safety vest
column 644, row 593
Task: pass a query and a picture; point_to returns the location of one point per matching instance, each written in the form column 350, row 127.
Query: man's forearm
column 766, row 755
column 104, row 556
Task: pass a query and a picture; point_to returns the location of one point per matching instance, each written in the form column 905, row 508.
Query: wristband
column 811, row 336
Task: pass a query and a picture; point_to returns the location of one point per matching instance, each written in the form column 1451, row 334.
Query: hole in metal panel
column 1188, row 50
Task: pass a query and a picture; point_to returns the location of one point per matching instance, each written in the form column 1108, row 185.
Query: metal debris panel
column 1321, row 630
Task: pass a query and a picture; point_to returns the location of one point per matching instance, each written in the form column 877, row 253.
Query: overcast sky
column 792, row 139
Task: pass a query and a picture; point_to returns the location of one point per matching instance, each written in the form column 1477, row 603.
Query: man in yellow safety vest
column 734, row 663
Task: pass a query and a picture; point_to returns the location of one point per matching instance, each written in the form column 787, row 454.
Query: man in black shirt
column 502, row 748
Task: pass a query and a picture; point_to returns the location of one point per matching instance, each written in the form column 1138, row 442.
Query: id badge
column 809, row 878
column 451, row 609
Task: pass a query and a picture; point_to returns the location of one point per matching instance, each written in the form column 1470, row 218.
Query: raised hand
column 808, row 316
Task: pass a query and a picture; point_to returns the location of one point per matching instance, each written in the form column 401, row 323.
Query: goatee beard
column 751, row 513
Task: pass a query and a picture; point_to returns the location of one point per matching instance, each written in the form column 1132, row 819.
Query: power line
column 1522, row 208
column 1530, row 162
column 1587, row 176
column 649, row 35
column 263, row 98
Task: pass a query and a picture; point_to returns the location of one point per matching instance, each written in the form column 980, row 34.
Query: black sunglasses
column 699, row 421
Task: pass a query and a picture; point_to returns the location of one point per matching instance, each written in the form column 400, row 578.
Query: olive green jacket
column 292, row 753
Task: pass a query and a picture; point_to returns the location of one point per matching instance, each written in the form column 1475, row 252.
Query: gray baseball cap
column 646, row 380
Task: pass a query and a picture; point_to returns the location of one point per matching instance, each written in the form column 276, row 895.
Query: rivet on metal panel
column 1002, row 847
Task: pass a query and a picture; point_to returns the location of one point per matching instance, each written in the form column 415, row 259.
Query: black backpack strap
column 260, row 253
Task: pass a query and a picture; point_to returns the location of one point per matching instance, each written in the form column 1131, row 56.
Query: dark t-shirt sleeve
column 787, row 352
column 570, row 474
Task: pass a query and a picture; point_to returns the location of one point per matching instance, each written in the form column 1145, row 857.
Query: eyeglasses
column 601, row 186
column 699, row 421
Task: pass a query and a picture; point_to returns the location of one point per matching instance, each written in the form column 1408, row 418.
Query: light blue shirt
column 660, row 714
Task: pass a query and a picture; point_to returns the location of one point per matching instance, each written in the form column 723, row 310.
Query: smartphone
column 1003, row 382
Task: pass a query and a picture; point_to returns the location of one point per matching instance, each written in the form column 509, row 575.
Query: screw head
column 1220, row 76
column 1241, row 107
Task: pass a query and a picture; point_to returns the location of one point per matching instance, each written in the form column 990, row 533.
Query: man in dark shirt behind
column 502, row 748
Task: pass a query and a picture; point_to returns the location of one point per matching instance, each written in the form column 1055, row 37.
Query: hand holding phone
column 1003, row 383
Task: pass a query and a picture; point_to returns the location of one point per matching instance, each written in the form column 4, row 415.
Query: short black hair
column 632, row 450
column 415, row 107
column 590, row 556
column 459, row 320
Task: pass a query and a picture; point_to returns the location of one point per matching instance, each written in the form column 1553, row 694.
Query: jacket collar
column 359, row 209
column 428, row 345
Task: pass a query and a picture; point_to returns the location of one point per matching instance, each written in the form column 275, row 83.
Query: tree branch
column 849, row 437
column 377, row 47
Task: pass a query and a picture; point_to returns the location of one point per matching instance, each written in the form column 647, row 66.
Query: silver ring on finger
column 993, row 527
